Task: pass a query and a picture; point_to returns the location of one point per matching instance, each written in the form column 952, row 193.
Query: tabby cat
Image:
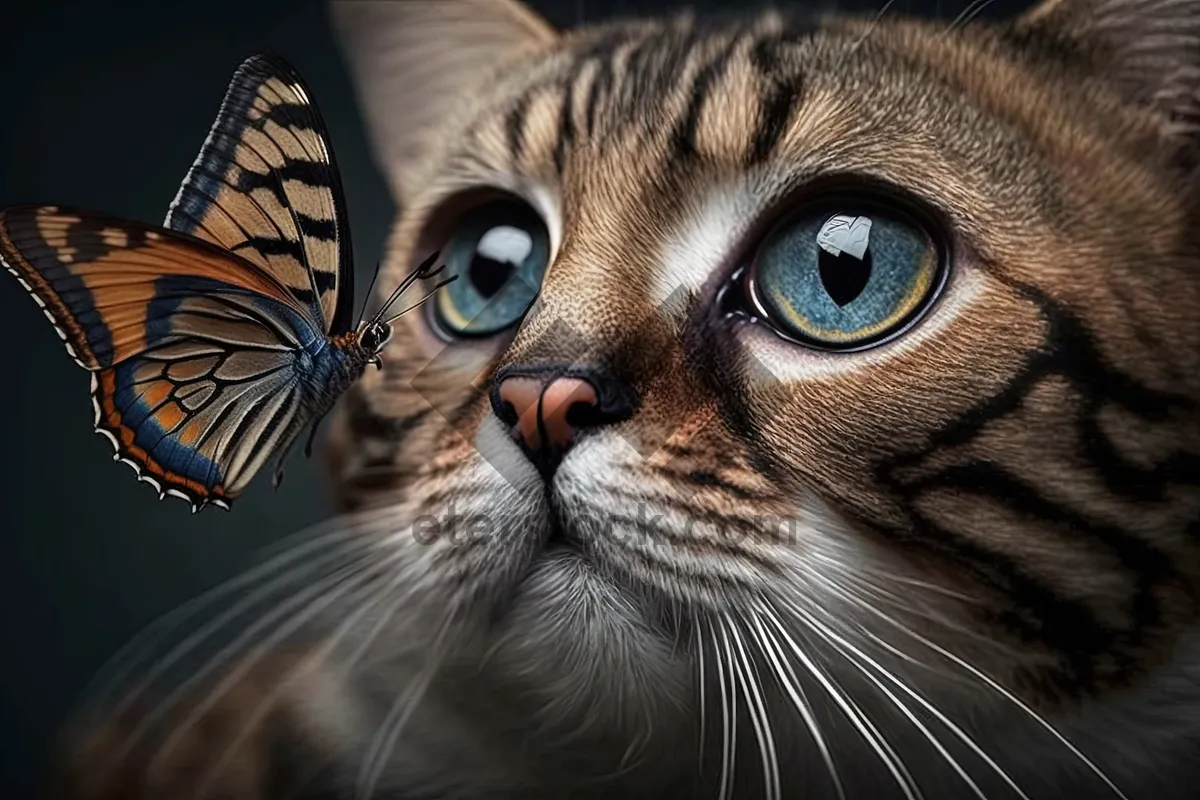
column 816, row 415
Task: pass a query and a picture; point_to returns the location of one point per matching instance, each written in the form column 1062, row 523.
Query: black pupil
column 488, row 275
column 844, row 276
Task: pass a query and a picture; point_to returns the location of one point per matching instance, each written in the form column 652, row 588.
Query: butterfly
column 215, row 340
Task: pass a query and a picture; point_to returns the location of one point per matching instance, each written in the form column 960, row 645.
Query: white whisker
column 126, row 661
column 728, row 724
column 319, row 656
column 995, row 685
column 966, row 15
column 758, row 717
column 398, row 714
column 795, row 691
column 869, row 30
column 954, row 728
column 847, row 648
column 702, row 693
column 891, row 760
column 317, row 598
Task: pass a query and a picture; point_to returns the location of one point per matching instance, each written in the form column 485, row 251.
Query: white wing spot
column 96, row 412
column 108, row 435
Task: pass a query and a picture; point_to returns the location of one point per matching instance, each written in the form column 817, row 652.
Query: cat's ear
column 1150, row 49
column 413, row 62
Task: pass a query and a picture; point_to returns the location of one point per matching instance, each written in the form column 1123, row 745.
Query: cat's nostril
column 584, row 414
column 506, row 412
column 561, row 397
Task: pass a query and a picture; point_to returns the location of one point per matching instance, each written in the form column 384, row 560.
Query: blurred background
column 104, row 105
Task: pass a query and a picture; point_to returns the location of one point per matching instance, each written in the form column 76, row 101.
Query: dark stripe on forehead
column 657, row 66
column 653, row 69
column 683, row 141
column 602, row 56
column 514, row 126
column 600, row 49
column 601, row 88
column 779, row 104
column 566, row 120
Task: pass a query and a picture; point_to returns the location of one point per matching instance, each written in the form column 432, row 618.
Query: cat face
column 863, row 334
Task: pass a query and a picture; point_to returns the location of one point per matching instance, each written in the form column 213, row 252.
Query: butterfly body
column 215, row 340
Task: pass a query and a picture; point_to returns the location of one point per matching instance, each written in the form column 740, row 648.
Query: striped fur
column 787, row 563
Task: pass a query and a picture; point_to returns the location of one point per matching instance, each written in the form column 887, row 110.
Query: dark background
column 104, row 106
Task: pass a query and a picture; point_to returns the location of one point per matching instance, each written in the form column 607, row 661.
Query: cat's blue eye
column 499, row 252
column 845, row 276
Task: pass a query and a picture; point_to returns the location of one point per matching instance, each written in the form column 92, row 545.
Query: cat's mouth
column 562, row 550
column 559, row 540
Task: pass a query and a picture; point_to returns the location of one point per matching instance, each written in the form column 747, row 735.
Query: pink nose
column 542, row 407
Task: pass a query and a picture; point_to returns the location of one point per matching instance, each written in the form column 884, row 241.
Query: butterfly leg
column 277, row 475
column 312, row 435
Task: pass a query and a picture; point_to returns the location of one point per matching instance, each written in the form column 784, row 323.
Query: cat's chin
column 577, row 644
column 567, row 574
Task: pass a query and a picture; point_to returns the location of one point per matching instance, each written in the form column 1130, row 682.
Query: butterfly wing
column 265, row 186
column 198, row 358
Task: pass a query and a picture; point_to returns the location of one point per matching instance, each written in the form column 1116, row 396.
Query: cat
column 684, row 491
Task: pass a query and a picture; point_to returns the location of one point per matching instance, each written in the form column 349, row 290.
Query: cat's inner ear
column 1149, row 49
column 416, row 63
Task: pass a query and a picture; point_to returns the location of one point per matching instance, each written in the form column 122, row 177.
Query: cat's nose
column 542, row 407
column 547, row 412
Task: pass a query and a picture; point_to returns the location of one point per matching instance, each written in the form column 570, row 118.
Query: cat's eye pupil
column 845, row 272
column 844, row 276
column 499, row 252
column 488, row 276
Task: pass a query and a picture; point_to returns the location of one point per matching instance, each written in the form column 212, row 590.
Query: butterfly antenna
column 427, row 295
column 370, row 288
column 420, row 273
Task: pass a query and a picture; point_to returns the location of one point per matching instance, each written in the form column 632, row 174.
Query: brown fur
column 1024, row 464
